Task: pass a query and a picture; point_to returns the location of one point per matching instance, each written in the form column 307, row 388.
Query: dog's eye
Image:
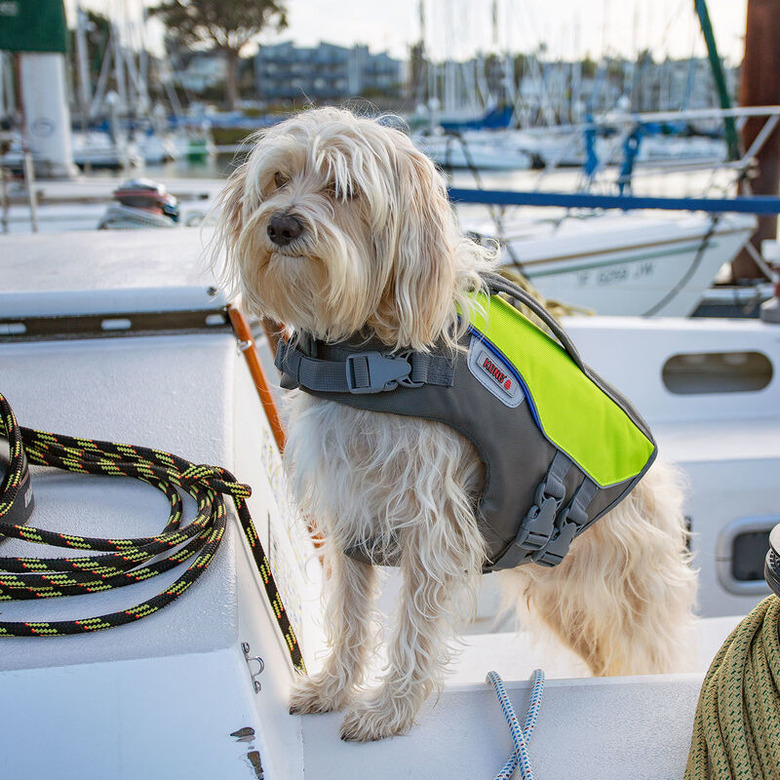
column 341, row 192
column 280, row 180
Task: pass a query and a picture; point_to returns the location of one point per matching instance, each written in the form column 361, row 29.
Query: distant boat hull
column 627, row 264
column 476, row 150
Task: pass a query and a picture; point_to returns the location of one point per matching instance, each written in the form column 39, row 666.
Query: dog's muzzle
column 283, row 229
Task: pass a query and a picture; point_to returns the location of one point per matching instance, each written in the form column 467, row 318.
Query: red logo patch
column 494, row 371
column 503, row 383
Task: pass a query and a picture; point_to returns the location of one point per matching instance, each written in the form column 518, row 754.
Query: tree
column 589, row 67
column 228, row 25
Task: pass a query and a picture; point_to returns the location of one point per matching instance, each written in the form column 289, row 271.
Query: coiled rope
column 736, row 732
column 122, row 561
column 521, row 736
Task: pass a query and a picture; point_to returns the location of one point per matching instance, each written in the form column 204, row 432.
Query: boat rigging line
column 686, row 277
column 736, row 729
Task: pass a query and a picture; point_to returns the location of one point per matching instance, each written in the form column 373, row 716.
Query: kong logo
column 494, row 374
column 498, row 373
column 494, row 370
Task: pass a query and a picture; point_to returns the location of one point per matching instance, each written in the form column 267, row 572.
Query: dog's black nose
column 284, row 228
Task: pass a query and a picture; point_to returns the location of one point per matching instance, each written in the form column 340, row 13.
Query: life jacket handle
column 500, row 284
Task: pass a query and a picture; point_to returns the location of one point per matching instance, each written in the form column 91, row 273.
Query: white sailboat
column 637, row 261
column 476, row 150
column 199, row 689
column 633, row 263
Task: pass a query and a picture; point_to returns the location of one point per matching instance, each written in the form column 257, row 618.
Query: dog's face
column 337, row 224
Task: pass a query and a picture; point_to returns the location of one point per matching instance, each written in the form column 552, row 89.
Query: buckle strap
column 538, row 525
column 569, row 524
column 431, row 369
column 372, row 372
column 363, row 372
column 298, row 370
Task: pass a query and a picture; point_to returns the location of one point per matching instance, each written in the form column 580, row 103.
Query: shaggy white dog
column 337, row 225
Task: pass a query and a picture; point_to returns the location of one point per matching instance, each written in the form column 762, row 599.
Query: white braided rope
column 520, row 736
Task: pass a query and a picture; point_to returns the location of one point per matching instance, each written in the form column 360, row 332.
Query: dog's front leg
column 430, row 603
column 351, row 590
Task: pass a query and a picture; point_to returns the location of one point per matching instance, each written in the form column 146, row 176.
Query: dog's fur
column 380, row 255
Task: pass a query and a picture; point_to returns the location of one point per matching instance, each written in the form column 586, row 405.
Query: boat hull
column 628, row 264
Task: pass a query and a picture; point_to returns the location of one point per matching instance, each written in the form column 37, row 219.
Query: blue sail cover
column 496, row 118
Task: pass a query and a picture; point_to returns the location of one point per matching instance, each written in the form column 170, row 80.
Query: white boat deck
column 172, row 695
column 160, row 697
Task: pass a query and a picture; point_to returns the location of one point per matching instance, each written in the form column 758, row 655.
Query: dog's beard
column 323, row 282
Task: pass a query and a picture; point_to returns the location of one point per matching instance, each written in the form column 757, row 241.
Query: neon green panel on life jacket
column 573, row 412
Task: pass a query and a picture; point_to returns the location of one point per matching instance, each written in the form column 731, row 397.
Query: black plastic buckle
column 539, row 526
column 383, row 372
column 406, row 381
column 555, row 551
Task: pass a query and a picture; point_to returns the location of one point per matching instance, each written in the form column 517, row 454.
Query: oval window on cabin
column 741, row 547
column 748, row 554
column 693, row 373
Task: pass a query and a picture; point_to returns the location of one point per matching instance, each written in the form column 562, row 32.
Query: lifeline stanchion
column 521, row 736
column 247, row 346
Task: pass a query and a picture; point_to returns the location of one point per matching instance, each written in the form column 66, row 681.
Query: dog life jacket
column 560, row 446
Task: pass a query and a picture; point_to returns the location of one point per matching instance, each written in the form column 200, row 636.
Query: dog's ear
column 229, row 224
column 422, row 279
column 231, row 201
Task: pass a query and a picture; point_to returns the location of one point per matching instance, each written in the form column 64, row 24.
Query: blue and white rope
column 520, row 736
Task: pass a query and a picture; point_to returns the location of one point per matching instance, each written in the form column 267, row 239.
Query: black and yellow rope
column 122, row 562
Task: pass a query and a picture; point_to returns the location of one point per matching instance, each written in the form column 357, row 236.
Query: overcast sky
column 458, row 28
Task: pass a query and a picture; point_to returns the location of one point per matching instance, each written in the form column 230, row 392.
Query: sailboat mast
column 85, row 88
column 732, row 139
column 760, row 86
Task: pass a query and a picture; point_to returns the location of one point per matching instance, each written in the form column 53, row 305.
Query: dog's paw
column 318, row 693
column 377, row 718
